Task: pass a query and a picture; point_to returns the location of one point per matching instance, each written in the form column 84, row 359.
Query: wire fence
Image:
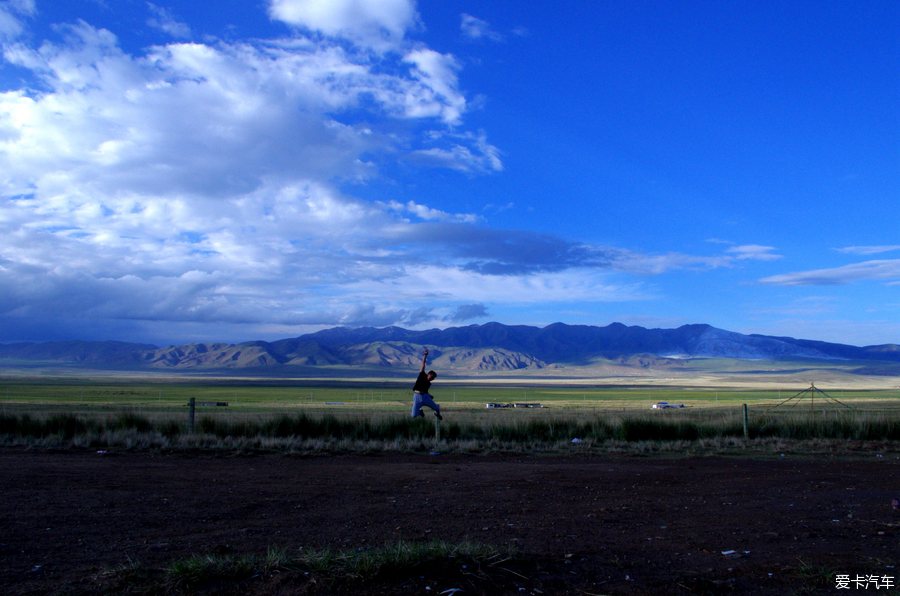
column 553, row 411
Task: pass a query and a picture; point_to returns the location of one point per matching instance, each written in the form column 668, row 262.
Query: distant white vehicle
column 664, row 405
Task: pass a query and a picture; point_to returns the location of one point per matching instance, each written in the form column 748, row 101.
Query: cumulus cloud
column 379, row 25
column 205, row 184
column 152, row 122
column 199, row 181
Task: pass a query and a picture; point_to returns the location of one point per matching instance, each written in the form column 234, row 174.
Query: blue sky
column 177, row 171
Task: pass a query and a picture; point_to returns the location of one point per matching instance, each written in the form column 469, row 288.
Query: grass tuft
column 324, row 566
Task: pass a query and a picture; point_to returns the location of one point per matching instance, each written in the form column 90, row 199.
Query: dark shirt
column 422, row 383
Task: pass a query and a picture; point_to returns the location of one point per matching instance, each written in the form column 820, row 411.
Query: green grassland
column 84, row 396
column 338, row 416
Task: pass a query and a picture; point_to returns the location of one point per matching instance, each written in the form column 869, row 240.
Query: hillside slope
column 492, row 346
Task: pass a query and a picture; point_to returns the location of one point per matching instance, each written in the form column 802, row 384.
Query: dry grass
column 469, row 432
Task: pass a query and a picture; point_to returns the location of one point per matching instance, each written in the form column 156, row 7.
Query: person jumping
column 421, row 395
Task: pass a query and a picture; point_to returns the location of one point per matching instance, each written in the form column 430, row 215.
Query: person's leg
column 427, row 400
column 417, row 405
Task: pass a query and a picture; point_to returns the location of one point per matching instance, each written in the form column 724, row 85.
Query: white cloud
column 656, row 264
column 475, row 28
column 869, row 250
column 163, row 19
column 457, row 285
column 427, row 213
column 265, row 112
column 887, row 270
column 197, row 181
column 437, row 96
column 753, row 252
column 379, row 25
column 458, row 157
column 465, row 152
column 11, row 14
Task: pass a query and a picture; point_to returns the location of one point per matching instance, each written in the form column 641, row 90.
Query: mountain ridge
column 489, row 346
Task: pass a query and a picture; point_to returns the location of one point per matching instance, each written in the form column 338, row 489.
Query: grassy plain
column 279, row 413
column 83, row 396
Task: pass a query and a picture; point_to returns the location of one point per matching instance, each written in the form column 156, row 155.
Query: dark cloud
column 370, row 315
column 506, row 252
column 467, row 312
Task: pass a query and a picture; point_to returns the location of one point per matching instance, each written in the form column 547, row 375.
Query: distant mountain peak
column 489, row 346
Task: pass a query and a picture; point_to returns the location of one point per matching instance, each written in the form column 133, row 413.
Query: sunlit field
column 276, row 415
column 272, row 397
column 85, row 397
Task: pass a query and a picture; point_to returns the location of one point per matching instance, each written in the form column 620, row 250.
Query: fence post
column 192, row 404
column 437, row 432
column 746, row 422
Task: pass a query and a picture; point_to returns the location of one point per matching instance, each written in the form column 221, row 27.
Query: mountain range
column 487, row 347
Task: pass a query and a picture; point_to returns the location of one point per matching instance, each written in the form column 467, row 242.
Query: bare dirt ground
column 588, row 524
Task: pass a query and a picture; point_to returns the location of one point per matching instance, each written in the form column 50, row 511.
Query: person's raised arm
column 424, row 358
